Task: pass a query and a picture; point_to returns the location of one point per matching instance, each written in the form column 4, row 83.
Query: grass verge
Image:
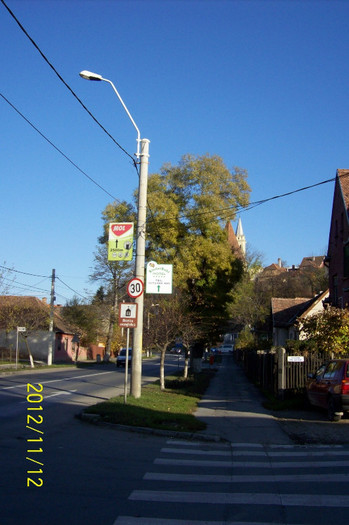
column 171, row 409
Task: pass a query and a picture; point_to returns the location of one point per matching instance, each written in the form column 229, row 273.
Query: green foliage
column 248, row 306
column 328, row 331
column 301, row 347
column 246, row 339
column 83, row 318
column 189, row 205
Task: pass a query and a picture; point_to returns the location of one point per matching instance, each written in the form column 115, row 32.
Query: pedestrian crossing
column 200, row 483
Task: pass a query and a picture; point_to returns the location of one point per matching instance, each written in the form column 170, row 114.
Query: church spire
column 241, row 237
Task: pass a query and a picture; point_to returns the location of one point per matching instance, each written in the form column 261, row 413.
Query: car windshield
column 123, row 351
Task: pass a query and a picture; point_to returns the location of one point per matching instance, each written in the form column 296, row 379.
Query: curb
column 96, row 419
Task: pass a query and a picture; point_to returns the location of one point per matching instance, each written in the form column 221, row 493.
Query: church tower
column 240, row 237
column 237, row 241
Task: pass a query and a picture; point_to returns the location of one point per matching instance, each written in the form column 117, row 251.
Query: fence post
column 281, row 353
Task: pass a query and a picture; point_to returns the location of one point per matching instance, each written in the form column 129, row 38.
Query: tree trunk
column 112, row 321
column 186, row 361
column 162, row 369
column 30, row 354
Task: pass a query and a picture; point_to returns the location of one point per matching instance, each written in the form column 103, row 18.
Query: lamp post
column 142, row 156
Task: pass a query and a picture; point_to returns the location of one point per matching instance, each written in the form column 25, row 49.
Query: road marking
column 217, row 478
column 196, row 452
column 130, row 520
column 65, row 393
column 57, row 380
column 227, row 498
column 250, row 464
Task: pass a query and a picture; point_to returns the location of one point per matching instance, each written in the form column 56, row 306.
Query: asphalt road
column 95, row 475
column 67, row 449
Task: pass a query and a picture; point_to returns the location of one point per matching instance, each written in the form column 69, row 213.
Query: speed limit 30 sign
column 135, row 287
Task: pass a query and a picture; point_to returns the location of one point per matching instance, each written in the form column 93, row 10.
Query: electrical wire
column 65, row 284
column 41, row 276
column 65, row 83
column 250, row 206
column 25, row 273
column 59, row 150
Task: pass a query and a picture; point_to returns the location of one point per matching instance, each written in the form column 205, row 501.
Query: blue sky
column 263, row 84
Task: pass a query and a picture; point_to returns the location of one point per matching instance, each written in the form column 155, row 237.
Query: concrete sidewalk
column 232, row 409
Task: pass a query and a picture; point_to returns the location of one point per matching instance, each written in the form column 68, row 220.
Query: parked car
column 226, row 349
column 328, row 388
column 176, row 350
column 121, row 359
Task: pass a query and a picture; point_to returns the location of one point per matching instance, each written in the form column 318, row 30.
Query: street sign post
column 127, row 319
column 19, row 329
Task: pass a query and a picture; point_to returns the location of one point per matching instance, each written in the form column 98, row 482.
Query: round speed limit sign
column 135, row 287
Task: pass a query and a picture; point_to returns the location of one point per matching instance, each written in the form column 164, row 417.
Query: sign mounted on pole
column 120, row 244
column 128, row 315
column 159, row 278
column 135, row 288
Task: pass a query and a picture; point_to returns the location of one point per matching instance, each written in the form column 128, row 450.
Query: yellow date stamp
column 35, row 418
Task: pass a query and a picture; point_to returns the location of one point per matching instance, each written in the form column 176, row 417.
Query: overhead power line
column 41, row 276
column 65, row 83
column 222, row 212
column 24, row 273
column 59, row 150
column 77, row 293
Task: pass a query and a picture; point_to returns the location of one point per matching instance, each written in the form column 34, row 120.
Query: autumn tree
column 328, row 331
column 23, row 311
column 248, row 305
column 84, row 318
column 189, row 205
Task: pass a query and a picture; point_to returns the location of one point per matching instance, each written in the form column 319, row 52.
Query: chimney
column 279, row 263
column 44, row 300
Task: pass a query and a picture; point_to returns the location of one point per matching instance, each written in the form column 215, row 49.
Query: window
column 330, row 370
column 320, row 371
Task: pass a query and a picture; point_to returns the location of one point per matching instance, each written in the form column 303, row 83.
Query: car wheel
column 332, row 416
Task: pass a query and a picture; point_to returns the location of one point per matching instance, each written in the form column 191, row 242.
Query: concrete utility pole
column 143, row 156
column 51, row 333
column 136, row 384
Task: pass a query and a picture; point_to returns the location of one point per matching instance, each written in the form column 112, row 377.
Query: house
column 312, row 262
column 337, row 259
column 286, row 311
column 34, row 315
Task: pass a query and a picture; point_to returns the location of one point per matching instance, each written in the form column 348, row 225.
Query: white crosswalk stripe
column 261, row 485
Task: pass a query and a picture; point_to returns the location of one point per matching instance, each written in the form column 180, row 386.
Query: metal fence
column 274, row 371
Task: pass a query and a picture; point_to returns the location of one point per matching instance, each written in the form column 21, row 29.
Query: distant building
column 314, row 261
column 236, row 239
column 287, row 311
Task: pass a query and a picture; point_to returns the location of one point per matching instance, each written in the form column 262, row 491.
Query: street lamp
column 142, row 156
